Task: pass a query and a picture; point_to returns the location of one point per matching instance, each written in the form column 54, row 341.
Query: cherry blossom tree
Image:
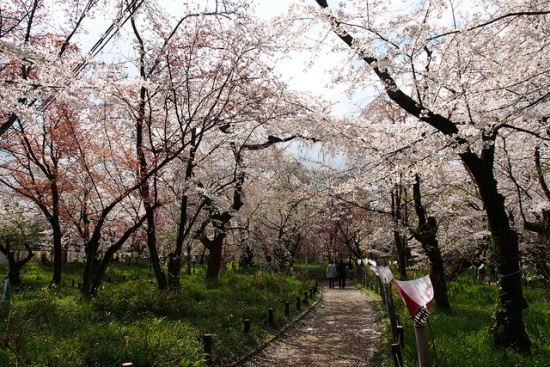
column 429, row 62
column 525, row 170
column 36, row 167
column 38, row 62
column 283, row 214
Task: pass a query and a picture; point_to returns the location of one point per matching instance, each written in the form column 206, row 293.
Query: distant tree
column 19, row 229
column 533, row 201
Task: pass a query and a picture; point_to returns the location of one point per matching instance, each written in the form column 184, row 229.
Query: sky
column 313, row 78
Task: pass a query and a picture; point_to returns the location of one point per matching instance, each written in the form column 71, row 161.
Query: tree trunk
column 215, row 257
column 184, row 225
column 153, row 251
column 95, row 268
column 508, row 329
column 188, row 252
column 437, row 270
column 57, row 251
column 91, row 265
column 15, row 266
column 148, row 195
column 426, row 234
column 399, row 241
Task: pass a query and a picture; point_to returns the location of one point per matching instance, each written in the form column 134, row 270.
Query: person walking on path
column 331, row 274
column 341, row 270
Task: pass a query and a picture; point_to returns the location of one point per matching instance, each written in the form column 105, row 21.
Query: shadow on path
column 343, row 331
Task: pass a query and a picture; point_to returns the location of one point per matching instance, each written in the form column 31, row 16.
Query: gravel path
column 343, row 331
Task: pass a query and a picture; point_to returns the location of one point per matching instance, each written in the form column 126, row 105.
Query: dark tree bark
column 399, row 240
column 216, row 247
column 148, row 197
column 219, row 222
column 14, row 273
column 95, row 268
column 57, row 234
column 185, row 220
column 111, row 251
column 508, row 329
column 426, row 234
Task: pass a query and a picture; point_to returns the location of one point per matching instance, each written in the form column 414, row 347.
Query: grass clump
column 461, row 335
column 131, row 321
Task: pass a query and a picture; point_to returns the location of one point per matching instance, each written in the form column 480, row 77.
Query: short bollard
column 396, row 355
column 207, row 342
column 270, row 316
column 287, row 309
column 400, row 337
column 298, row 303
column 246, row 326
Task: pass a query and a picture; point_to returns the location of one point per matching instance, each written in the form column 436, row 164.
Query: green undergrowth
column 130, row 320
column 461, row 336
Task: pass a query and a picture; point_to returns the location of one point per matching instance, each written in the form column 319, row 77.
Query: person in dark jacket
column 341, row 270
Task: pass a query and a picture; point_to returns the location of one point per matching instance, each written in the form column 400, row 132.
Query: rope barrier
column 509, row 275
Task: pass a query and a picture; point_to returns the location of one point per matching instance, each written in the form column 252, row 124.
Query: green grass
column 130, row 320
column 462, row 337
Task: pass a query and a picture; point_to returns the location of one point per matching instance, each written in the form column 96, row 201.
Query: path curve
column 343, row 331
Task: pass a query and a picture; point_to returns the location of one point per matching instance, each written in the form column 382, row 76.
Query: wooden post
column 400, row 337
column 311, row 293
column 396, row 355
column 422, row 346
column 270, row 316
column 298, row 303
column 382, row 289
column 391, row 310
column 287, row 309
column 207, row 342
column 246, row 326
column 305, row 297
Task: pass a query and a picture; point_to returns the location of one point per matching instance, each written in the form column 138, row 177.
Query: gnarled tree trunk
column 426, row 234
column 14, row 273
